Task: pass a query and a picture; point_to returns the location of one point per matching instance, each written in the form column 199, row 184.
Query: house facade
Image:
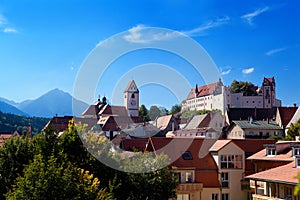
column 276, row 170
column 242, row 129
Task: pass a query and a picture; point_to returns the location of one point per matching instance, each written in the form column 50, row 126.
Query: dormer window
column 297, row 161
column 271, row 151
column 296, row 151
column 187, row 155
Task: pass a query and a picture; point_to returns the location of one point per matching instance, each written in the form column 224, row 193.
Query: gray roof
column 245, row 124
column 195, row 121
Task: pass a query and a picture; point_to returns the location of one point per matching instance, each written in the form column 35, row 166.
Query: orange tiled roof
column 283, row 174
column 163, row 121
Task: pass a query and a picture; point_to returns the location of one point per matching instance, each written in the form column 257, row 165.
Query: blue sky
column 44, row 43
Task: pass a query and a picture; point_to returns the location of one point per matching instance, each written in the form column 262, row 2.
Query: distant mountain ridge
column 54, row 102
column 7, row 108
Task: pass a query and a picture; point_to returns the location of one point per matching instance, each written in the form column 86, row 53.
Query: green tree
column 154, row 112
column 143, row 113
column 243, row 87
column 54, row 180
column 175, row 109
column 190, row 113
column 14, row 154
column 163, row 112
column 294, row 130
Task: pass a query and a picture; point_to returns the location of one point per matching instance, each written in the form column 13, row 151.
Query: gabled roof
column 261, row 125
column 113, row 110
column 255, row 113
column 252, row 146
column 130, row 85
column 163, row 122
column 59, row 123
column 116, row 123
column 286, row 114
column 203, row 90
column 295, row 118
column 90, row 122
column 218, row 145
column 195, row 121
column 286, row 174
column 268, row 81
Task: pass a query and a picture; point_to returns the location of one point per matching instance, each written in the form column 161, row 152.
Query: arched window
column 132, row 96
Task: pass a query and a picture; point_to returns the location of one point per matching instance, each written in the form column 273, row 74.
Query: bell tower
column 131, row 99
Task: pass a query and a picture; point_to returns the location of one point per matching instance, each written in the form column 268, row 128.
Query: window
column 231, row 161
column 270, row 151
column 288, row 192
column 189, row 177
column 296, row 151
column 214, row 196
column 297, row 161
column 132, row 96
column 225, row 180
column 225, row 196
column 187, row 155
column 183, row 196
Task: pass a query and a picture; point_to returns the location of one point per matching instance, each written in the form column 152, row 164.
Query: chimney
column 295, row 105
column 111, row 135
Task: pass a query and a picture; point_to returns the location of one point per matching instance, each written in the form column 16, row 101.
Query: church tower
column 131, row 99
column 269, row 92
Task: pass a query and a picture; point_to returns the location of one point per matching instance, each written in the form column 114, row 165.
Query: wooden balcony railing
column 189, row 187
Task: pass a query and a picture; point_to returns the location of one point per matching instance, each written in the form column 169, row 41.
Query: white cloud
column 249, row 17
column 9, row 30
column 2, row 20
column 248, row 71
column 274, row 51
column 139, row 34
column 207, row 26
column 225, row 72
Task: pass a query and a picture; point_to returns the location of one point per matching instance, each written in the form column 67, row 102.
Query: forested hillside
column 11, row 122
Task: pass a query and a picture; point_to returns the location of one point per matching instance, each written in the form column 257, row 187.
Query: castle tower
column 269, row 92
column 131, row 99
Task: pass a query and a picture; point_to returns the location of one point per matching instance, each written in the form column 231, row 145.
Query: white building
column 216, row 96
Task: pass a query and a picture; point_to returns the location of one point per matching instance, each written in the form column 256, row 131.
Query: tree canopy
column 293, row 131
column 51, row 167
column 243, row 87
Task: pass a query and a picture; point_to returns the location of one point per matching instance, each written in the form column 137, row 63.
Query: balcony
column 189, row 187
column 245, row 185
column 263, row 197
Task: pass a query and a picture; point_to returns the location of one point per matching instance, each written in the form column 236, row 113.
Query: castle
column 216, row 96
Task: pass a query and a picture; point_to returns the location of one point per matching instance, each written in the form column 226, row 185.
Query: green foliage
column 163, row 112
column 175, row 109
column 14, row 154
column 190, row 113
column 243, row 87
column 143, row 112
column 54, row 180
column 63, row 169
column 294, row 130
column 154, row 112
column 297, row 187
column 11, row 122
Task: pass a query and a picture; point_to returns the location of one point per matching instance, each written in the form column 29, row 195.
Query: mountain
column 7, row 108
column 53, row 102
column 9, row 102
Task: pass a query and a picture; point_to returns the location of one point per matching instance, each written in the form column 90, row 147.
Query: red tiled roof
column 283, row 174
column 59, row 123
column 286, row 114
column 203, row 90
column 115, row 123
column 261, row 155
column 90, row 122
column 252, row 145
